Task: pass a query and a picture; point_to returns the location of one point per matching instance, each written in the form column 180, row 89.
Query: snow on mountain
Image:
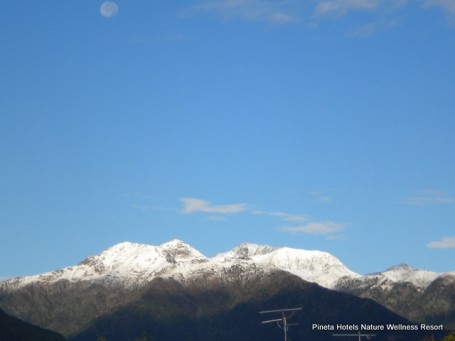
column 134, row 264
column 406, row 273
column 129, row 263
column 141, row 262
column 387, row 280
column 245, row 251
column 313, row 266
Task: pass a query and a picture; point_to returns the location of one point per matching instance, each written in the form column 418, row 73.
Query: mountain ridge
column 112, row 278
column 143, row 262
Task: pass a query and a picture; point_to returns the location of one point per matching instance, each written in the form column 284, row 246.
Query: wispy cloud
column 383, row 12
column 372, row 28
column 303, row 223
column 444, row 243
column 193, row 205
column 341, row 7
column 319, row 228
column 273, row 12
column 429, row 197
column 446, row 5
column 282, row 215
column 321, row 196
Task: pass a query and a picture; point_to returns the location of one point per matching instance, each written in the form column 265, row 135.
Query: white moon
column 108, row 9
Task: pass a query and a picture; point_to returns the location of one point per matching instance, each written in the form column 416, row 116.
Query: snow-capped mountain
column 129, row 263
column 398, row 274
column 124, row 272
column 313, row 266
column 404, row 273
column 419, row 295
column 134, row 264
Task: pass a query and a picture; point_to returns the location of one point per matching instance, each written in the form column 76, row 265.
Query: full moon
column 108, row 9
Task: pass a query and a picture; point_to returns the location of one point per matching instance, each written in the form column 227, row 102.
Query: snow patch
column 405, row 273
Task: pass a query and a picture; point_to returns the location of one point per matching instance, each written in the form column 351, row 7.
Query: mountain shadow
column 226, row 311
column 13, row 329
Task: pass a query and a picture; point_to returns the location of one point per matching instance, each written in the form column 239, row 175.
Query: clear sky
column 314, row 124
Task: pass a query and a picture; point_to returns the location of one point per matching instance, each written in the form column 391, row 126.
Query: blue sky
column 312, row 124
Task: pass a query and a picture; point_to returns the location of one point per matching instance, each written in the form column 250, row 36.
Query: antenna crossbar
column 282, row 322
column 270, row 321
column 279, row 310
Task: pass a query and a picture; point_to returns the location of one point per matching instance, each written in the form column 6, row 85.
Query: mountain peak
column 180, row 251
column 136, row 264
column 247, row 250
column 407, row 273
column 174, row 242
column 401, row 267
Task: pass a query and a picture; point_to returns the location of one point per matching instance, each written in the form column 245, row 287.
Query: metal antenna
column 284, row 319
column 368, row 336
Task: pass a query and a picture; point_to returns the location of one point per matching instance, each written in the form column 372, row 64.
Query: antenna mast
column 284, row 319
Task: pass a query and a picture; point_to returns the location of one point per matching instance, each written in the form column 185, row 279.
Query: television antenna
column 286, row 313
column 360, row 335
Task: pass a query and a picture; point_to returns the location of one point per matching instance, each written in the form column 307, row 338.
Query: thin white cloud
column 444, row 243
column 341, row 7
column 303, row 224
column 446, row 5
column 279, row 12
column 429, row 197
column 282, row 215
column 321, row 196
column 193, row 205
column 274, row 12
column 318, row 228
column 371, row 28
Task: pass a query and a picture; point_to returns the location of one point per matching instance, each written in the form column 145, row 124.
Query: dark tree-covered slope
column 13, row 329
column 169, row 311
